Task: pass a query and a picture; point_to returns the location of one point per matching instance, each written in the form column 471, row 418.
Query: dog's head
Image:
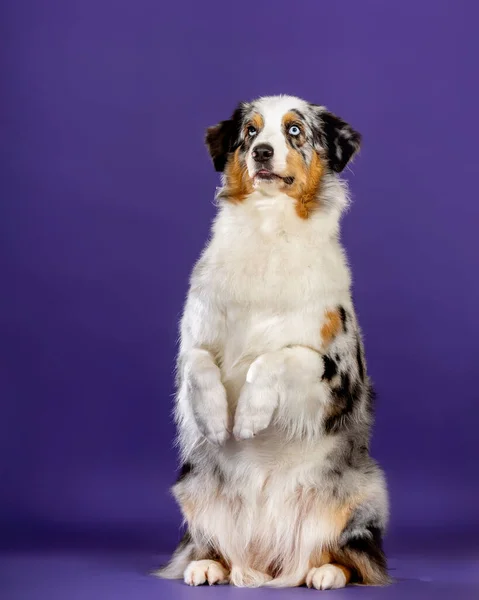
column 280, row 143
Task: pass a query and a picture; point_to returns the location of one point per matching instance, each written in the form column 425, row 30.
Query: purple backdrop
column 106, row 200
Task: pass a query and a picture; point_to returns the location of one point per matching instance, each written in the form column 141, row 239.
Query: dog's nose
column 263, row 152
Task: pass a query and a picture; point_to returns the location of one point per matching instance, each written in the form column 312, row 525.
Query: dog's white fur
column 264, row 282
column 250, row 363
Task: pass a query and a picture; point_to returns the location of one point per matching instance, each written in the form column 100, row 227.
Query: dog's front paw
column 199, row 572
column 327, row 577
column 210, row 406
column 255, row 409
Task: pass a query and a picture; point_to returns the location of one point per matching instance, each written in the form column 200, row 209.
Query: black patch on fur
column 344, row 390
column 299, row 113
column 330, row 368
column 344, row 396
column 343, row 316
column 338, row 138
column 185, row 470
column 370, row 544
column 359, row 360
column 224, row 138
column 363, row 535
column 337, row 358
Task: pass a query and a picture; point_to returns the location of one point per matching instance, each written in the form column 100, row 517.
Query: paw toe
column 199, row 572
column 216, row 574
column 327, row 577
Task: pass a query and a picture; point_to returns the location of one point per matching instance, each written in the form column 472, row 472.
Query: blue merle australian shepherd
column 274, row 406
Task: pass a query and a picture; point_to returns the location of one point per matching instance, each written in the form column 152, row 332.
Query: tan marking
column 257, row 121
column 360, row 566
column 340, row 515
column 238, row 182
column 333, row 410
column 356, row 565
column 330, row 328
column 259, row 558
column 291, row 118
column 307, row 180
column 308, row 200
column 319, row 558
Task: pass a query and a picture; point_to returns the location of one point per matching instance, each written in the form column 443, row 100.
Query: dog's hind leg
column 357, row 557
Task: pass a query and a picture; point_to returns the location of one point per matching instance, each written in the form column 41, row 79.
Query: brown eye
column 252, row 131
column 294, row 130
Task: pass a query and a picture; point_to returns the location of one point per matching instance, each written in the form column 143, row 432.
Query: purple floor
column 113, row 575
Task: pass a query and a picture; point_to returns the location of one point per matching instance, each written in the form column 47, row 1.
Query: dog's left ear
column 223, row 139
column 337, row 138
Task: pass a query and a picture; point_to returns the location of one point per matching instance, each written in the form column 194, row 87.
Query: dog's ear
column 224, row 138
column 338, row 139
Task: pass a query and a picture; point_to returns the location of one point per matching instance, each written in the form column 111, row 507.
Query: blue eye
column 252, row 131
column 294, row 130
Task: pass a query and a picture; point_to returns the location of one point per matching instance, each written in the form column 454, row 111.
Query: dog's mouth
column 267, row 175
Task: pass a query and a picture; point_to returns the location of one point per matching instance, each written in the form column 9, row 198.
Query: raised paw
column 199, row 572
column 327, row 577
column 210, row 408
column 255, row 410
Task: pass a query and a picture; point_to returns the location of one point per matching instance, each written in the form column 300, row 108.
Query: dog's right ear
column 224, row 138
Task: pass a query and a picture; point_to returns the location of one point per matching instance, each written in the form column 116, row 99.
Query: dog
column 274, row 406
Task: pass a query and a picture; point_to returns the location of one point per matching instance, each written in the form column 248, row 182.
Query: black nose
column 263, row 152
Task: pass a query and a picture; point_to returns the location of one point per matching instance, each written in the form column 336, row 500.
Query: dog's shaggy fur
column 274, row 405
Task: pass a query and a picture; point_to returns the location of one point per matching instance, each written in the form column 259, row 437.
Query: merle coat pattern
column 274, row 405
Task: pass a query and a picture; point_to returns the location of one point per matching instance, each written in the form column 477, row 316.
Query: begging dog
column 274, row 406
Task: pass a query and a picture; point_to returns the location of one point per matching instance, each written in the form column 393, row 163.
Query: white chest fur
column 274, row 275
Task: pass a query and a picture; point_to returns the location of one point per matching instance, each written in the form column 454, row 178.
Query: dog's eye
column 294, row 130
column 252, row 131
